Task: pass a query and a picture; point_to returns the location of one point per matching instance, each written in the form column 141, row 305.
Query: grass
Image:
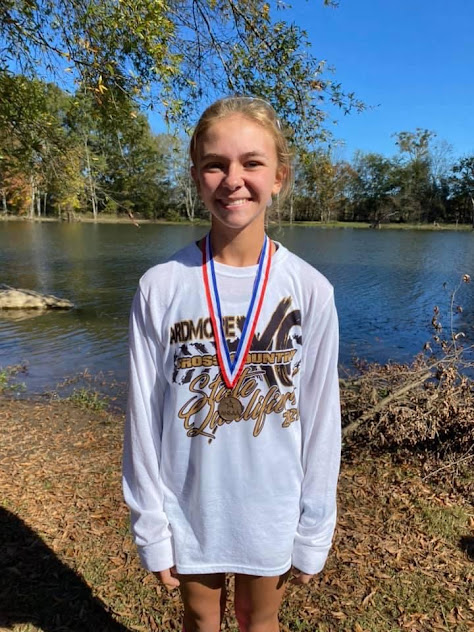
column 89, row 399
column 112, row 219
column 7, row 379
column 449, row 523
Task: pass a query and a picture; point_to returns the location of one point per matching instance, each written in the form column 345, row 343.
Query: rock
column 11, row 298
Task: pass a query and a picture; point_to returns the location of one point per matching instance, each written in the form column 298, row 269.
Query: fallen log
column 348, row 430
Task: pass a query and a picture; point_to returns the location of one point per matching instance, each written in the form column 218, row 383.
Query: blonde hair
column 256, row 110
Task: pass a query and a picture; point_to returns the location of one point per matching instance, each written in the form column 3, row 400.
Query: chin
column 233, row 221
column 236, row 224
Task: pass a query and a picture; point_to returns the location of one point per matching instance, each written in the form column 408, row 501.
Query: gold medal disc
column 230, row 408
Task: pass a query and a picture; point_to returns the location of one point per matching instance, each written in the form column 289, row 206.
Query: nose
column 233, row 178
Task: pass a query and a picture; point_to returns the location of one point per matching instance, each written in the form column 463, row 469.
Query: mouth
column 233, row 203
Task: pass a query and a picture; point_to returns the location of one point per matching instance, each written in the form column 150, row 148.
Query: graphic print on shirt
column 265, row 385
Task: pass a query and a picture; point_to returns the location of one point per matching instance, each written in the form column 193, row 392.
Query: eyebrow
column 249, row 154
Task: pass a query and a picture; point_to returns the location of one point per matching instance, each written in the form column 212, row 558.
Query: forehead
column 237, row 133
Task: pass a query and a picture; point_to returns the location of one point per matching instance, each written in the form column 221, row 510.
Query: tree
column 374, row 185
column 462, row 183
column 415, row 144
column 57, row 155
column 34, row 139
column 85, row 124
column 134, row 175
column 184, row 191
column 173, row 55
column 416, row 182
column 323, row 184
column 441, row 162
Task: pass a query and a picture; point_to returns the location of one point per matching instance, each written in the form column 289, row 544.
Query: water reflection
column 387, row 283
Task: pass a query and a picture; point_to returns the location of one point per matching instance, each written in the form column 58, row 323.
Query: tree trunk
column 189, row 199
column 291, row 207
column 4, row 202
column 187, row 203
column 33, row 194
column 190, row 204
column 472, row 212
column 278, row 208
column 92, row 191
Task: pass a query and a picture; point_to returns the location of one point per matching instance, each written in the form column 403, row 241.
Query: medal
column 232, row 368
column 230, row 408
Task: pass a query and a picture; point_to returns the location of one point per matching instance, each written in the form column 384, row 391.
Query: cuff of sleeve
column 308, row 560
column 158, row 556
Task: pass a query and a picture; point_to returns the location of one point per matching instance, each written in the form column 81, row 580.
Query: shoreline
column 85, row 219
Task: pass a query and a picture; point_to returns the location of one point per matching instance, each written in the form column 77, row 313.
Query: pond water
column 387, row 283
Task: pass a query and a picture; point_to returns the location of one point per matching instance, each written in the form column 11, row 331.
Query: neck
column 239, row 249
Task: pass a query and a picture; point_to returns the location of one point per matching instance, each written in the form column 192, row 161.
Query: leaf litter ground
column 68, row 562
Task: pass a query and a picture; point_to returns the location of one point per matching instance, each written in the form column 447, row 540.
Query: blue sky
column 412, row 60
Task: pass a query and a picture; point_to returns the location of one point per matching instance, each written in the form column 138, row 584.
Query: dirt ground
column 402, row 557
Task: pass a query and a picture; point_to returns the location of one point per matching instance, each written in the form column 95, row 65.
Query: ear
column 279, row 179
column 195, row 176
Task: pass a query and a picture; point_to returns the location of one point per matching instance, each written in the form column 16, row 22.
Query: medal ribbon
column 231, row 369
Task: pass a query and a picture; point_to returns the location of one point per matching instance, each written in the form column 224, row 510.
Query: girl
column 233, row 429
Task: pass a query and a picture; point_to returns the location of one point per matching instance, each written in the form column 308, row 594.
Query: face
column 237, row 172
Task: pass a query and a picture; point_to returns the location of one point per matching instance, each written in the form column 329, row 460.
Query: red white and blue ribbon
column 231, row 368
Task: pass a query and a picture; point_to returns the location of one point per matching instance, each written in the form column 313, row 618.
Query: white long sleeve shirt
column 256, row 494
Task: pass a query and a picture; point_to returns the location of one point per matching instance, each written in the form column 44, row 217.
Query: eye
column 213, row 166
column 252, row 164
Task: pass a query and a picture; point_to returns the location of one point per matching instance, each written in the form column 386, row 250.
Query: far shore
column 112, row 219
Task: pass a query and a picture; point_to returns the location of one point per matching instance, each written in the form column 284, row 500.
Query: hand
column 168, row 577
column 299, row 577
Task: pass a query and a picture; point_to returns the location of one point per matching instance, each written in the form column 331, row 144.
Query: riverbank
column 107, row 219
column 68, row 561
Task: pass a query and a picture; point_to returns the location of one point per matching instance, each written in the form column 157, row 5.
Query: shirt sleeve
column 320, row 416
column 142, row 484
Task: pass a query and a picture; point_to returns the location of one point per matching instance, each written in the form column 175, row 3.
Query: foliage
column 61, row 152
column 374, row 187
column 35, row 147
column 86, row 398
column 7, row 379
column 424, row 407
column 415, row 144
column 136, row 169
column 59, row 155
column 322, row 186
column 173, row 55
column 415, row 180
column 462, row 183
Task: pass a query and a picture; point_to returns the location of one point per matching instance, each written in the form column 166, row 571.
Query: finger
column 172, row 582
column 301, row 578
column 167, row 579
column 295, row 572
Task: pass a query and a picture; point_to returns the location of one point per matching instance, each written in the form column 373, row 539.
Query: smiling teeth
column 234, row 202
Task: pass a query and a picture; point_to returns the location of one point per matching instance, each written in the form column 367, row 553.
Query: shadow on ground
column 37, row 588
column 467, row 545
